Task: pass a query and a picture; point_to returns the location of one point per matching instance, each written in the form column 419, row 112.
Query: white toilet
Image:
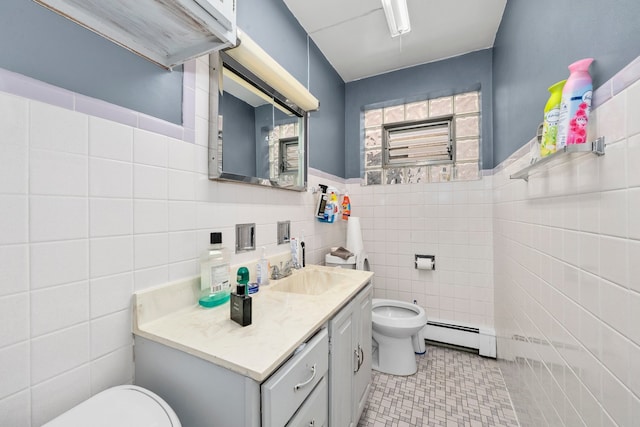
column 122, row 406
column 355, row 262
column 360, row 260
column 395, row 324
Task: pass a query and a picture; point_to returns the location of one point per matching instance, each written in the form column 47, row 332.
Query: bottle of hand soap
column 262, row 269
column 215, row 285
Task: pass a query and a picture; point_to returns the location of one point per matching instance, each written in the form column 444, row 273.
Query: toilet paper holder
column 430, row 257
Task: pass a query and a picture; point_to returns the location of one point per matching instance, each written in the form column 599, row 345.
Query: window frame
column 390, row 128
column 284, row 144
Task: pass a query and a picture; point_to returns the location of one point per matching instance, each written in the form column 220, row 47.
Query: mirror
column 259, row 137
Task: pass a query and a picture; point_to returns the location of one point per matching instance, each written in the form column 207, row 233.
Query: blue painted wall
column 41, row 44
column 455, row 75
column 273, row 27
column 536, row 42
column 239, row 134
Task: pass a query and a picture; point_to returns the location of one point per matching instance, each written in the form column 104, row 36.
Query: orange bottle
column 346, row 207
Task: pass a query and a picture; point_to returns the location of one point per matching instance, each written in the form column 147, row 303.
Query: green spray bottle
column 551, row 118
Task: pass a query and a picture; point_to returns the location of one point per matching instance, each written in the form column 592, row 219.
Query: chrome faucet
column 283, row 271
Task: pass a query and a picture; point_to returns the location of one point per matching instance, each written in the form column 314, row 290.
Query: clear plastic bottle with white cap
column 262, row 269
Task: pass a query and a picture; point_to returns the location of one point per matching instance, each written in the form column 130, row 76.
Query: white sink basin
column 308, row 281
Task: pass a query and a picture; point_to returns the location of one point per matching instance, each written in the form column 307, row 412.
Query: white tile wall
column 14, row 269
column 58, row 352
column 58, row 218
column 58, row 263
column 59, row 307
column 110, row 294
column 558, row 255
column 91, row 211
column 110, row 217
column 567, row 302
column 14, row 213
column 58, row 129
column 452, row 221
column 110, row 178
column 110, row 140
column 13, row 169
column 14, row 367
column 61, row 391
column 14, row 311
column 58, row 173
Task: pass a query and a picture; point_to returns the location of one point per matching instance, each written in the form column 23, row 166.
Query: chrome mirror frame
column 217, row 61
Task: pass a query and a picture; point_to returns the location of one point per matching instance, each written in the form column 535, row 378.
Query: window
column 289, row 154
column 418, row 143
column 285, row 152
column 425, row 141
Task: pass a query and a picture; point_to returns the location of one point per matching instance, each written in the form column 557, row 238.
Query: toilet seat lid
column 388, row 312
column 122, row 406
column 332, row 259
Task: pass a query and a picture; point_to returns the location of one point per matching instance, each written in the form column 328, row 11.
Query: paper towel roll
column 424, row 264
column 354, row 235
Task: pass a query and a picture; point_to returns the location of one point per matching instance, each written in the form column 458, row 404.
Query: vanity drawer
column 315, row 410
column 284, row 392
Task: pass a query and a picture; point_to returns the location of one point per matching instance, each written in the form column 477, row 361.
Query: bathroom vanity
column 305, row 360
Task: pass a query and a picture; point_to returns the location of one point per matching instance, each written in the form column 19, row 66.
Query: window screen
column 423, row 142
column 289, row 154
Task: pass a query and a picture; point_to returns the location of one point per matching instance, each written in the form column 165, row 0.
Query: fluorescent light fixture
column 397, row 16
column 251, row 56
column 241, row 89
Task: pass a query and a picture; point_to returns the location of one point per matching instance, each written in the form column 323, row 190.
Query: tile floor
column 451, row 388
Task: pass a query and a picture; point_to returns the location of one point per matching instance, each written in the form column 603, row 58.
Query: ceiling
column 354, row 36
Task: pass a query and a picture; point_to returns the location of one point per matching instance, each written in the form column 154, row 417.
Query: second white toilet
column 122, row 406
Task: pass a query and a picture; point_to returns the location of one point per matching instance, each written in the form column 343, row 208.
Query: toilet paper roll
column 424, row 264
column 354, row 235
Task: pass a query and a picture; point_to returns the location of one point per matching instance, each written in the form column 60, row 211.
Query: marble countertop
column 281, row 321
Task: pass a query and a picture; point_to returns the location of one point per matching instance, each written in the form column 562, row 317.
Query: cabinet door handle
column 361, row 356
column 313, row 375
column 356, row 355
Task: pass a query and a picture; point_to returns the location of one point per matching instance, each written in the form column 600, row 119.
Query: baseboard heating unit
column 482, row 339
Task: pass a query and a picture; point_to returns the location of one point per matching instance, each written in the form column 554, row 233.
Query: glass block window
column 433, row 140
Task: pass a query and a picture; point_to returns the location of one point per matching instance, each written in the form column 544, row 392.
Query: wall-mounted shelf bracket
column 559, row 157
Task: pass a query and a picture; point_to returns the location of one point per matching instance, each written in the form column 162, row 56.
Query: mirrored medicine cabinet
column 260, row 137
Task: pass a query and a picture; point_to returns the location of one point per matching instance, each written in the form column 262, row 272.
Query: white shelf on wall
column 564, row 155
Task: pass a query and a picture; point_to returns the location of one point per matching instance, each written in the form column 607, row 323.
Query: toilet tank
column 336, row 261
column 122, row 406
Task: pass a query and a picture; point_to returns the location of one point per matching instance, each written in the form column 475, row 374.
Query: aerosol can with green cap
column 551, row 118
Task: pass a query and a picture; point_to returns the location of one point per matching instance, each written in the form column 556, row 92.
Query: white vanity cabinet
column 329, row 373
column 286, row 390
column 350, row 361
column 205, row 394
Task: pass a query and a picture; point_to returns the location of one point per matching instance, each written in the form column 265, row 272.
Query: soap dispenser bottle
column 262, row 269
column 215, row 285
